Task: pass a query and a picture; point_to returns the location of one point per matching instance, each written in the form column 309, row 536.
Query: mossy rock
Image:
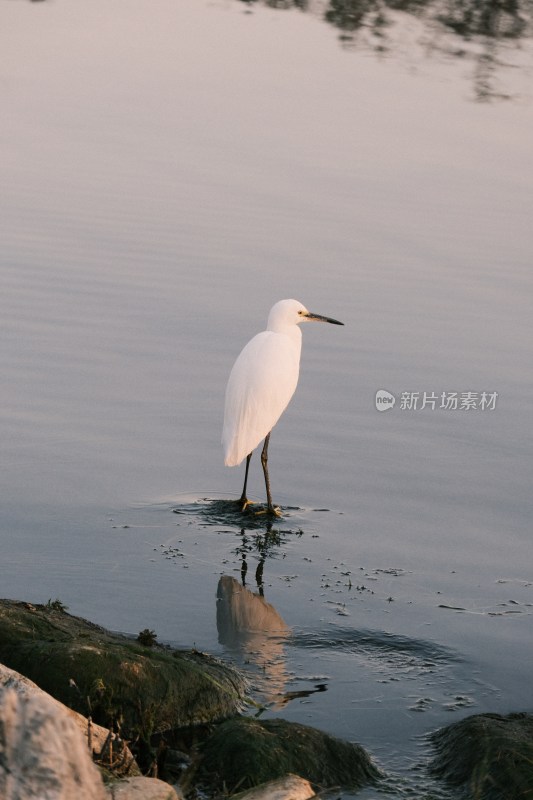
column 488, row 754
column 114, row 678
column 243, row 753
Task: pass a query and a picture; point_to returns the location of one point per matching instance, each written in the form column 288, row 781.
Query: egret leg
column 264, row 462
column 244, row 502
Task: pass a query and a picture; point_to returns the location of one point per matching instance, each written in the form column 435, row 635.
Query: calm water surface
column 169, row 171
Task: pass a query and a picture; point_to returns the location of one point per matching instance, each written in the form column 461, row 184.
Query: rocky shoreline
column 87, row 713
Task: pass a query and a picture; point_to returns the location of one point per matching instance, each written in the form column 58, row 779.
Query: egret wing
column 260, row 386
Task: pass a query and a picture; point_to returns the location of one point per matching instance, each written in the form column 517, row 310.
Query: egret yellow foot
column 272, row 511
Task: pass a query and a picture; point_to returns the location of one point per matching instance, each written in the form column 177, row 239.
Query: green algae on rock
column 243, row 753
column 490, row 755
column 114, row 678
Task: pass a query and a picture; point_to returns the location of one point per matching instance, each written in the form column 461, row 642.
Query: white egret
column 260, row 386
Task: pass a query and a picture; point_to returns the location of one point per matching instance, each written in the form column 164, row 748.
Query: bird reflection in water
column 253, row 630
column 265, row 544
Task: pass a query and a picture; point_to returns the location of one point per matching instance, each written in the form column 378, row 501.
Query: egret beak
column 319, row 318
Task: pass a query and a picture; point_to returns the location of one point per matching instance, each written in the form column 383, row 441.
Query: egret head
column 291, row 312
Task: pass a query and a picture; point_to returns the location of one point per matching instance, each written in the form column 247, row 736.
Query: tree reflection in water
column 476, row 28
column 479, row 29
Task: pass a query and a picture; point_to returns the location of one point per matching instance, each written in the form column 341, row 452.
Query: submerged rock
column 489, row 754
column 243, row 753
column 113, row 678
